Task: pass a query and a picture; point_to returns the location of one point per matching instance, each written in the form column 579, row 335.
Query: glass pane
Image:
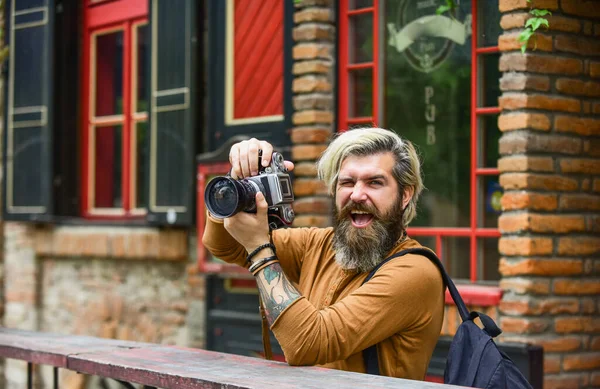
column 109, row 73
column 427, row 241
column 142, row 142
column 489, row 79
column 490, row 134
column 489, row 23
column 360, row 102
column 427, row 100
column 489, row 258
column 360, row 42
column 356, row 4
column 455, row 256
column 141, row 69
column 107, row 172
column 492, row 192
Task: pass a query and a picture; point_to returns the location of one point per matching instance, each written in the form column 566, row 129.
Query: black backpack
column 474, row 360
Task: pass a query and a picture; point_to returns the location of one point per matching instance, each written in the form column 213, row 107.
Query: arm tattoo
column 276, row 291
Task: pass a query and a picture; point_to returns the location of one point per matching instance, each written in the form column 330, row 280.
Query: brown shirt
column 400, row 309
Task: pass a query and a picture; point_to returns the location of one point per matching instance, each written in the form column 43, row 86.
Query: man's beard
column 362, row 249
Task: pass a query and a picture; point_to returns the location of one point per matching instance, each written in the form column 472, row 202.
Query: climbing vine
column 532, row 25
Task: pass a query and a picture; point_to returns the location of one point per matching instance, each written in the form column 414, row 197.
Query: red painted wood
column 477, row 295
column 99, row 17
column 258, row 64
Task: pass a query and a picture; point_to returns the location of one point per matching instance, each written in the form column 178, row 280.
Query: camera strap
column 266, row 338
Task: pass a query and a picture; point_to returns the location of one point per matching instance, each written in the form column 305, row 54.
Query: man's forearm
column 276, row 291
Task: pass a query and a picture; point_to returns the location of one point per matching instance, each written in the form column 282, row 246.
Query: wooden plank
column 171, row 367
column 53, row 349
column 181, row 368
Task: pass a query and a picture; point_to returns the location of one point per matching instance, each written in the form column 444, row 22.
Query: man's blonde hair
column 370, row 141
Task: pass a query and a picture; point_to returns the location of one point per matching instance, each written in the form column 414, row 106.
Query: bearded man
column 310, row 279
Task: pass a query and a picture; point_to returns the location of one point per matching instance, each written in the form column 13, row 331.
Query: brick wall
column 313, row 119
column 123, row 283
column 550, row 171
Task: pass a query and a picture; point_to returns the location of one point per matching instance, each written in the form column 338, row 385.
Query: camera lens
column 225, row 196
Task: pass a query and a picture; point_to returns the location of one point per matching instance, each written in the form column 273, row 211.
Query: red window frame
column 473, row 232
column 103, row 17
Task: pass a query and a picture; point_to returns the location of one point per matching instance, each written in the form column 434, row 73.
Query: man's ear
column 407, row 196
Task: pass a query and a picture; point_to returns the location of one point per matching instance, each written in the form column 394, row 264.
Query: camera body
column 224, row 196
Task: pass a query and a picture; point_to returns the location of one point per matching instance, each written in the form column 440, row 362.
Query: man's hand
column 250, row 229
column 243, row 157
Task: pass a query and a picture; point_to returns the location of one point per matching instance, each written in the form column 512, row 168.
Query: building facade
column 117, row 113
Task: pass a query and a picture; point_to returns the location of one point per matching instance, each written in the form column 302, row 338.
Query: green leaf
column 525, row 35
column 270, row 274
column 529, row 22
column 540, row 12
column 441, row 9
column 536, row 23
column 523, row 48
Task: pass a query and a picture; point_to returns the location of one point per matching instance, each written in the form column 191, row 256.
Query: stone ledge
column 114, row 242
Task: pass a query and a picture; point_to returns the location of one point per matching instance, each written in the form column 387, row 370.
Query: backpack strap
column 370, row 353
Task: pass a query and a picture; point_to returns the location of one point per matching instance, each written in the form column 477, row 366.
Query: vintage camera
column 224, row 196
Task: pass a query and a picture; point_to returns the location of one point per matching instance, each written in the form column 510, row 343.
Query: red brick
column 310, row 135
column 309, row 83
column 551, row 364
column 527, row 200
column 511, row 5
column 540, row 64
column 319, row 205
column 311, row 3
column 588, row 305
column 595, row 379
column 511, row 101
column 594, row 69
column 572, row 324
column 585, row 361
column 581, row 126
column 550, row 344
column 578, row 201
column 596, row 185
column 580, row 165
column 537, row 181
column 578, row 87
column 311, row 221
column 577, row 45
column 312, row 117
column 596, row 108
column 595, row 343
column 562, row 23
column 519, row 81
column 523, row 163
column 513, row 20
column 313, row 51
column 591, row 147
column 304, row 169
column 313, row 15
column 530, row 307
column 527, row 142
column 525, row 286
column 561, row 382
column 516, row 246
column 313, row 32
column 523, row 326
column 584, row 8
column 541, row 267
column 309, row 187
column 593, row 223
column 315, row 66
column 578, row 246
column 576, row 287
column 518, row 121
column 307, row 152
column 527, row 222
column 588, row 27
column 510, row 41
column 313, row 101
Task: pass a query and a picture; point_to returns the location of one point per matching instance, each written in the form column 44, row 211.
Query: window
column 116, row 122
column 120, row 142
column 434, row 80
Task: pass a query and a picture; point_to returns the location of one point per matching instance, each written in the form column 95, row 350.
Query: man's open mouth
column 361, row 219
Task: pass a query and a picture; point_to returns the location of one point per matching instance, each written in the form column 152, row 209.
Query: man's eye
column 376, row 183
column 346, row 183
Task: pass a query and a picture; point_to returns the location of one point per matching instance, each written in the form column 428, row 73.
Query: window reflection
column 141, row 173
column 109, row 73
column 107, row 172
column 141, row 68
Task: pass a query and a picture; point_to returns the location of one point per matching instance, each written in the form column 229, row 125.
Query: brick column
column 550, row 171
column 313, row 88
